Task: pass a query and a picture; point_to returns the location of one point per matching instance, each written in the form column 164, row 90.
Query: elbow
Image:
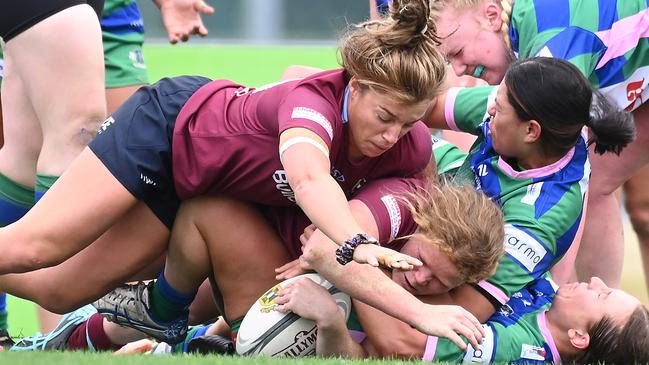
column 302, row 187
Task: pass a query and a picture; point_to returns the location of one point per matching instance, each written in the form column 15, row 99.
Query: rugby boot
column 130, row 306
column 210, row 344
column 5, row 340
column 58, row 338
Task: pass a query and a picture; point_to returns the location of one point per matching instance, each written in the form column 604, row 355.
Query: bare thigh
column 63, row 80
column 84, row 203
column 22, row 132
column 244, row 251
column 136, row 241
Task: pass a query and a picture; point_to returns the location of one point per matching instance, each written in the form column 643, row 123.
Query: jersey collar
column 345, row 114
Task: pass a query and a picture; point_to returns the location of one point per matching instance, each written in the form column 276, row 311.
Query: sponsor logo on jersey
column 485, row 350
column 505, row 310
column 532, row 352
column 634, row 91
column 302, row 112
column 629, row 94
column 107, row 123
column 281, row 184
column 482, row 170
column 533, row 192
column 394, row 213
column 521, row 246
column 304, row 344
column 336, row 174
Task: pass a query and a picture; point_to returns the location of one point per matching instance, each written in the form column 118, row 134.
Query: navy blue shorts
column 18, row 16
column 135, row 143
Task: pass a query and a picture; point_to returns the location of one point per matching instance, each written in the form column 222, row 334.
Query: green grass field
column 250, row 66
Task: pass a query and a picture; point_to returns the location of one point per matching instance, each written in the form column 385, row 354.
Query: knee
column 32, row 256
column 58, row 301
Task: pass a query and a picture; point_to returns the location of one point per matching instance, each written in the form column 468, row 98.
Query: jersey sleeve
column 466, row 108
column 444, row 351
column 448, row 156
column 529, row 254
column 306, row 107
column 384, row 198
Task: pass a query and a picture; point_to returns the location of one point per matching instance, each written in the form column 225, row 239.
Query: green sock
column 43, row 184
column 4, row 324
column 15, row 200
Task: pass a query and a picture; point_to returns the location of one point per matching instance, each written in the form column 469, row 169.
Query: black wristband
column 345, row 253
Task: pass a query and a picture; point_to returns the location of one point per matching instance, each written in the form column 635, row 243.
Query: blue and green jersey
column 607, row 40
column 542, row 207
column 517, row 333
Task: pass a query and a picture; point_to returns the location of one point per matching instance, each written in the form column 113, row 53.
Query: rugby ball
column 265, row 331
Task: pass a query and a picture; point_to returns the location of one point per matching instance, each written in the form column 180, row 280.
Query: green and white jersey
column 516, row 333
column 608, row 40
column 542, row 207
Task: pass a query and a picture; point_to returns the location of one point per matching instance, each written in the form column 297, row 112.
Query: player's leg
column 17, row 163
column 137, row 239
column 65, row 84
column 222, row 235
column 637, row 205
column 79, row 208
column 22, row 144
column 125, row 72
column 124, row 64
column 602, row 247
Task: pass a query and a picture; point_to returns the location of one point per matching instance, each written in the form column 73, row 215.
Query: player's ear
column 579, row 339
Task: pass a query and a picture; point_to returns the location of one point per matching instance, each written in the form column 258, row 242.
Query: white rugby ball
column 265, row 331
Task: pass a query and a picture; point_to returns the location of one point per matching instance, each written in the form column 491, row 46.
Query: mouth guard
column 478, row 71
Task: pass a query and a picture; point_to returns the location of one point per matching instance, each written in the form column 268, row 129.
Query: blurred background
column 269, row 21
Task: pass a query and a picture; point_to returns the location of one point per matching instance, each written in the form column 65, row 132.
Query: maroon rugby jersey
column 382, row 197
column 226, row 139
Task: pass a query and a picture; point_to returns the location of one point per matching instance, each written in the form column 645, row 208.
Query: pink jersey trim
column 431, row 348
column 449, row 107
column 624, row 35
column 541, row 171
column 494, row 291
column 547, row 335
column 357, row 336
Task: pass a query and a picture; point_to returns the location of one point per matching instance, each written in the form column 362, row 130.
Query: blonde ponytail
column 398, row 55
column 506, row 15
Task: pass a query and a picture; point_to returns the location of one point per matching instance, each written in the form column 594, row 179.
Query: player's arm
column 372, row 286
column 305, row 158
column 182, row 18
column 389, row 336
column 311, row 301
